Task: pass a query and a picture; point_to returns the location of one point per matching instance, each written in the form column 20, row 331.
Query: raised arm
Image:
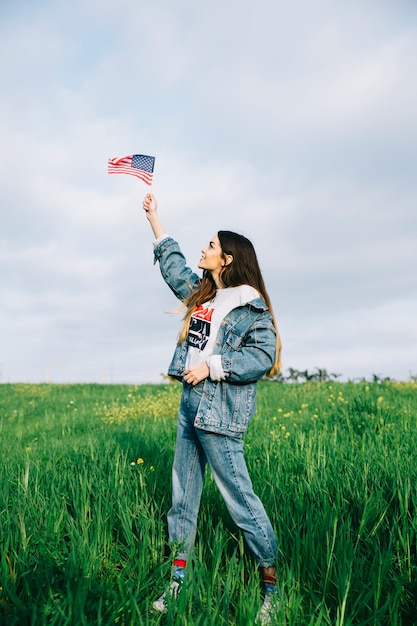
column 150, row 206
column 178, row 276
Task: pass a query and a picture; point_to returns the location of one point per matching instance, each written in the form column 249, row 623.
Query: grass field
column 85, row 488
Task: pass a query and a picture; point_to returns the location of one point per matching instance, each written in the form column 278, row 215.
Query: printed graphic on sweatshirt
column 199, row 332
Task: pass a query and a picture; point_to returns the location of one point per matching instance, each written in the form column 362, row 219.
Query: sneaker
column 161, row 605
column 268, row 611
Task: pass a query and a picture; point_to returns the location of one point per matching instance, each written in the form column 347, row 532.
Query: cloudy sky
column 294, row 123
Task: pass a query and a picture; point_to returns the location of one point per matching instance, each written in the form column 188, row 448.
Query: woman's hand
column 196, row 374
column 150, row 207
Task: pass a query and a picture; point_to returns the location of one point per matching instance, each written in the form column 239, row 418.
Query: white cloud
column 379, row 340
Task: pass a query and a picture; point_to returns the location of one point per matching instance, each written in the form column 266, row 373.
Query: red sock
column 179, row 569
column 269, row 580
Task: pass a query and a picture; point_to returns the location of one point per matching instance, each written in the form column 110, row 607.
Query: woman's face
column 212, row 258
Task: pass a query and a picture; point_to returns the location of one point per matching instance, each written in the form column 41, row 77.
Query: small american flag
column 138, row 165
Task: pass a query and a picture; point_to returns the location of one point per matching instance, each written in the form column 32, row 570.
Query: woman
column 227, row 342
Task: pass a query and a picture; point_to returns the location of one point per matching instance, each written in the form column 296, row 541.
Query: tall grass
column 85, row 488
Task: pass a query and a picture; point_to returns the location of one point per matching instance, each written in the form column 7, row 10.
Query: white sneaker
column 268, row 611
column 161, row 605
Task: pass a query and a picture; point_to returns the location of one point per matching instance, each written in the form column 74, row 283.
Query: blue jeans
column 224, row 454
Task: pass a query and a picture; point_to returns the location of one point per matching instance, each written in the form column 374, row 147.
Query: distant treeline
column 319, row 374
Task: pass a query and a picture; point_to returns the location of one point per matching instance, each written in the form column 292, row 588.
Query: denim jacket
column 246, row 342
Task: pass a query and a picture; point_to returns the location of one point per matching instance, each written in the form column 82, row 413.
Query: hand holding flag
column 139, row 165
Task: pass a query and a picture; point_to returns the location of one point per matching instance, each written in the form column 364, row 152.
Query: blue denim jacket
column 246, row 342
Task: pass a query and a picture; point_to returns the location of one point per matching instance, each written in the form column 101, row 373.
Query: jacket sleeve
column 178, row 276
column 248, row 358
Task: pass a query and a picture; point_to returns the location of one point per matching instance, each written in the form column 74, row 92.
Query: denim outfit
column 214, row 415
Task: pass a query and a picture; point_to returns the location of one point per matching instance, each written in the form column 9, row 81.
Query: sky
column 293, row 123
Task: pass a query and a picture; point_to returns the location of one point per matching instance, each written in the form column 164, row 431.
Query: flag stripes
column 139, row 165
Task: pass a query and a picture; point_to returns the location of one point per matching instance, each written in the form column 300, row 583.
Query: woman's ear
column 228, row 259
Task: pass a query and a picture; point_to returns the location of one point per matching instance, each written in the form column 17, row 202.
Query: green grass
column 85, row 488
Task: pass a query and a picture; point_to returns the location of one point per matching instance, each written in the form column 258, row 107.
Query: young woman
column 227, row 342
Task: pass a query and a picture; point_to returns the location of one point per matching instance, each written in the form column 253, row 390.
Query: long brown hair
column 243, row 270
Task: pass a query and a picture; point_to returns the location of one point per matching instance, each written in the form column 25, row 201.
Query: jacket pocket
column 233, row 339
column 238, row 406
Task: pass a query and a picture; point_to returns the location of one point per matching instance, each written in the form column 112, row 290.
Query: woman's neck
column 217, row 280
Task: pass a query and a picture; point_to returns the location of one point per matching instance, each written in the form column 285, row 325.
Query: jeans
column 195, row 448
